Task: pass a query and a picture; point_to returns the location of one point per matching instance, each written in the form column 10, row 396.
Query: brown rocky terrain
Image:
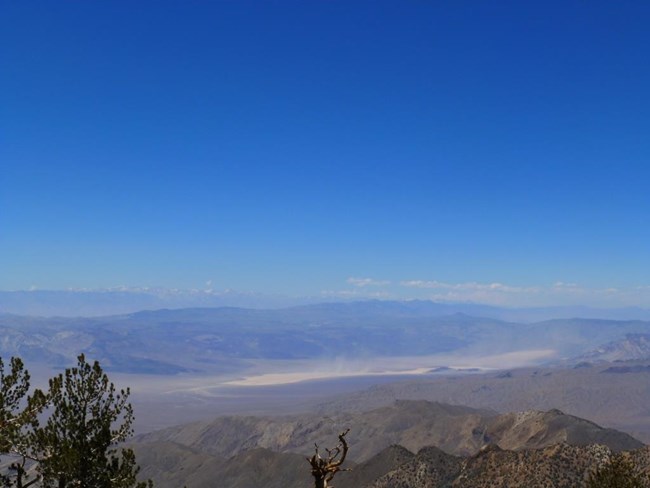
column 412, row 424
column 558, row 466
column 250, row 451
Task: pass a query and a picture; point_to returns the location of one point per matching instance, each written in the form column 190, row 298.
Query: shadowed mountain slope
column 172, row 465
column 374, row 468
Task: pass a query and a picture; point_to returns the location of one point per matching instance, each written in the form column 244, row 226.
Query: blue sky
column 432, row 149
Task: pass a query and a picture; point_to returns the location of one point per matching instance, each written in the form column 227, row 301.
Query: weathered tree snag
column 324, row 469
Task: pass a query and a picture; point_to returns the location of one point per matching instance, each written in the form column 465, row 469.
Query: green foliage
column 14, row 385
column 618, row 473
column 85, row 419
column 18, row 417
column 14, row 414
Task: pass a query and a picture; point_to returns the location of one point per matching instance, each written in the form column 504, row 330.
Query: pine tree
column 89, row 417
column 77, row 445
column 18, row 416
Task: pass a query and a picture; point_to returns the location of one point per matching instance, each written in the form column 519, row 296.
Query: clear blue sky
column 285, row 147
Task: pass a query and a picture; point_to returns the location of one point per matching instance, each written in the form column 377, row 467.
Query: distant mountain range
column 246, row 452
column 117, row 301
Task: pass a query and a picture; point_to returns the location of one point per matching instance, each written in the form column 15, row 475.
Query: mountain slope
column 632, row 347
column 374, row 468
column 616, row 400
column 559, row 466
column 430, row 468
column 412, row 424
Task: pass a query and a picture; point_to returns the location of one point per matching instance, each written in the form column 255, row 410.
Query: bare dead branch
column 323, row 470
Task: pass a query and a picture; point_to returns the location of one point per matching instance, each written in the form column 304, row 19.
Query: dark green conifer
column 18, row 418
column 77, row 445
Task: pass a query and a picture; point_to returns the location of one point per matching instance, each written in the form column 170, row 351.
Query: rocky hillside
column 270, row 451
column 412, row 424
column 558, row 466
column 430, row 468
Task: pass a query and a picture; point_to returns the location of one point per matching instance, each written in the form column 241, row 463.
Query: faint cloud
column 467, row 286
column 362, row 282
column 556, row 294
column 355, row 294
column 562, row 284
column 424, row 284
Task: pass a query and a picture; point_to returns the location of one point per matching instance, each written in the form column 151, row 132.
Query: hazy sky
column 406, row 148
